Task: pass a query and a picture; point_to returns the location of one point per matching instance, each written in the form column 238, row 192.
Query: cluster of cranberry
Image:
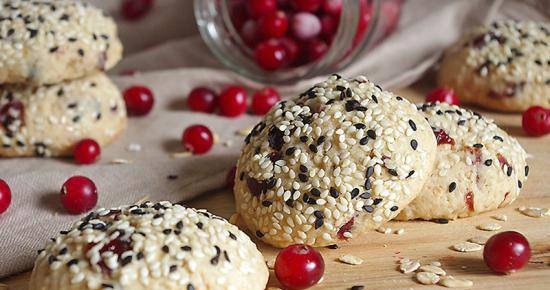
column 290, row 33
column 535, row 121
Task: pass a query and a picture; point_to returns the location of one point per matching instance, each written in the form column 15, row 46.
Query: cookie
column 47, row 121
column 150, row 246
column 49, row 41
column 479, row 167
column 342, row 158
column 503, row 67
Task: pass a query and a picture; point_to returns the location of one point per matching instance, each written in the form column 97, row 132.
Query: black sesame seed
column 81, row 52
column 452, row 186
column 414, row 144
column 63, row 251
column 107, row 286
column 509, row 171
column 365, row 195
column 140, row 256
column 461, row 122
column 321, row 140
column 520, row 185
column 371, row 134
column 304, row 138
column 412, row 124
column 478, row 145
column 313, row 148
column 368, row 208
column 441, row 221
column 32, row 32
column 319, row 214
column 394, row 208
column 376, row 201
column 290, row 151
column 360, row 126
column 367, row 184
column 488, row 162
column 165, row 249
column 318, row 223
column 340, row 88
column 186, row 248
column 354, row 193
column 333, row 192
column 370, row 171
column 526, row 170
column 333, row 246
column 126, row 260
column 392, row 172
column 72, row 262
column 190, row 287
column 259, row 234
column 364, row 141
column 349, row 93
column 357, row 287
column 54, row 49
column 72, row 105
column 410, row 173
column 498, row 138
column 173, row 268
column 315, row 192
column 267, row 203
column 199, row 225
column 303, row 169
column 51, row 259
column 303, row 177
column 289, row 202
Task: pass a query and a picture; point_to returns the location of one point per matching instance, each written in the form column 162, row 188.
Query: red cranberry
column 273, row 25
column 306, row 5
column 390, row 9
column 305, row 25
column 536, row 121
column 86, row 151
column 366, row 9
column 139, row 100
column 78, row 195
column 5, row 196
column 270, row 54
column 233, row 101
column 230, row 178
column 299, row 266
column 202, row 99
column 292, row 49
column 329, row 26
column 198, row 139
column 257, row 8
column 315, row 49
column 249, row 33
column 263, row 100
column 506, row 252
column 135, row 9
column 238, row 14
column 333, row 7
column 442, row 95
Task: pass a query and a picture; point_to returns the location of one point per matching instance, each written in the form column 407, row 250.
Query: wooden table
column 427, row 241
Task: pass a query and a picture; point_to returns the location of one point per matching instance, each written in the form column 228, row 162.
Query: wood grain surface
column 427, row 241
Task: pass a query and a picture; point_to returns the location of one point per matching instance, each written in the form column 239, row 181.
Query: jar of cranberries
column 282, row 41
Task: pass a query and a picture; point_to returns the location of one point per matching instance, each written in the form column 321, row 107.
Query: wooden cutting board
column 427, row 241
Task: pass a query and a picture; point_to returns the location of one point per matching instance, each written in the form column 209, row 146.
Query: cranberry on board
column 299, row 266
column 263, row 100
column 78, row 194
column 198, row 139
column 442, row 95
column 139, row 100
column 273, row 25
column 202, row 99
column 5, row 196
column 135, row 9
column 270, row 54
column 257, row 8
column 233, row 101
column 506, row 252
column 306, row 5
column 536, row 121
column 86, row 151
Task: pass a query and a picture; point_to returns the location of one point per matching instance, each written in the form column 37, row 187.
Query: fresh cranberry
column 249, row 33
column 257, row 8
column 198, row 139
column 202, row 99
column 273, row 25
column 5, row 196
column 139, row 100
column 306, row 5
column 536, row 121
column 230, row 178
column 233, row 101
column 333, row 7
column 136, row 9
column 86, row 151
column 506, row 252
column 270, row 54
column 315, row 49
column 299, row 266
column 329, row 26
column 238, row 14
column 263, row 100
column 305, row 25
column 78, row 195
column 292, row 49
column 442, row 137
column 442, row 95
column 391, row 10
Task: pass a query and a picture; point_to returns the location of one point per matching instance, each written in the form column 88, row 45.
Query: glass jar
column 231, row 29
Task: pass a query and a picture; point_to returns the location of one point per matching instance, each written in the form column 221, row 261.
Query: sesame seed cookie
column 150, row 246
column 47, row 41
column 479, row 167
column 341, row 158
column 47, row 121
column 503, row 67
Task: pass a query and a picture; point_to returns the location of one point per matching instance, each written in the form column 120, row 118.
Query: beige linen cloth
column 171, row 59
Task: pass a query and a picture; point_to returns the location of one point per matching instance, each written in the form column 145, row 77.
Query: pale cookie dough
column 150, row 246
column 340, row 159
column 48, row 120
column 49, row 41
column 479, row 167
column 503, row 67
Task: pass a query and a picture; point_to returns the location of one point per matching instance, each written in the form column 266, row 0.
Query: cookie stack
column 54, row 92
column 346, row 156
